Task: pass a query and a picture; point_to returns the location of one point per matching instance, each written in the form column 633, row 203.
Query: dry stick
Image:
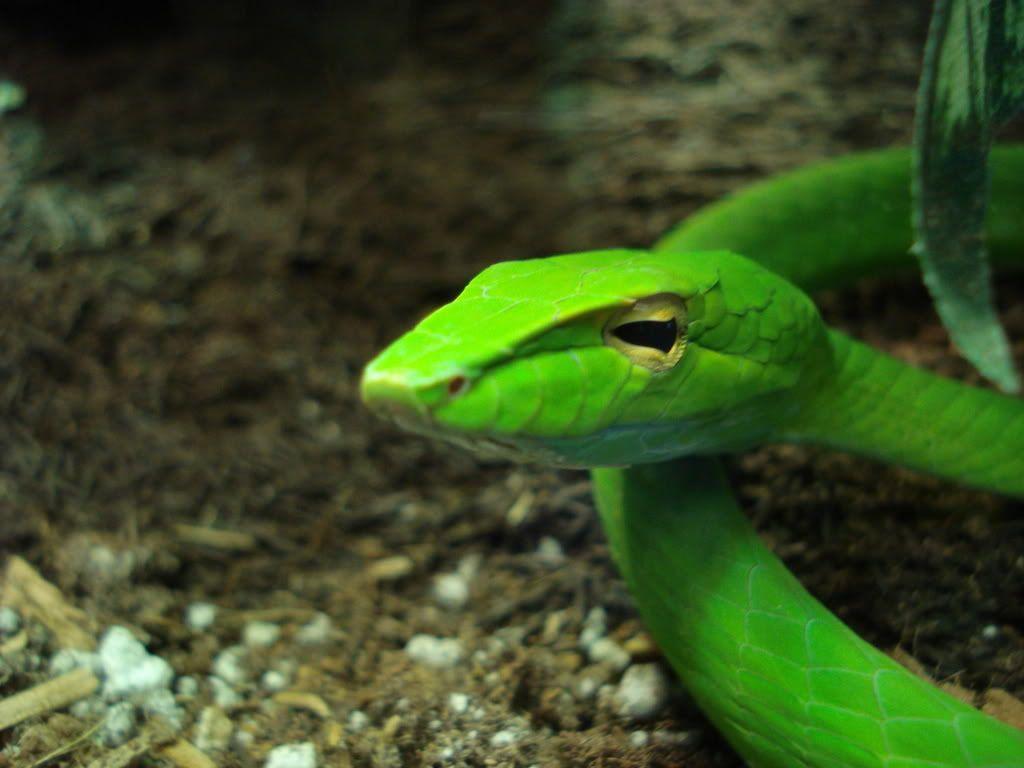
column 186, row 755
column 38, row 599
column 45, row 697
column 234, row 541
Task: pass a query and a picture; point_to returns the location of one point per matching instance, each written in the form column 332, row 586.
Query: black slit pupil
column 657, row 334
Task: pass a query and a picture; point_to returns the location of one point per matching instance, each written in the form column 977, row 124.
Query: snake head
column 604, row 358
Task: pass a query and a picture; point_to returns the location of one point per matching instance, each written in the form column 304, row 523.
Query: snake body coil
column 657, row 361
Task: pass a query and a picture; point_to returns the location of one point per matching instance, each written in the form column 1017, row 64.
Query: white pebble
column 504, row 739
column 214, row 730
column 128, row 668
column 161, row 704
column 224, row 696
column 316, row 632
column 451, row 590
column 229, row 665
column 243, row 740
column 274, row 680
column 595, row 626
column 639, row 738
column 72, row 658
column 437, row 652
column 642, row 692
column 200, row 616
column 292, row 756
column 550, row 552
column 187, row 686
column 469, row 566
column 607, row 651
column 10, row 621
column 458, row 703
column 357, row 721
column 677, row 738
column 587, row 687
column 260, row 634
column 118, row 725
column 91, row 708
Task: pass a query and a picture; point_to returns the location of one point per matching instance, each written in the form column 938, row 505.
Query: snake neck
column 868, row 403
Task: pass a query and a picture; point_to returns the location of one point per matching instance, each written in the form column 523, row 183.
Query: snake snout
column 390, row 394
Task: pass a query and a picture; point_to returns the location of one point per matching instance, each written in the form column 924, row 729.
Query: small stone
column 67, row 659
column 224, row 696
column 292, row 756
column 10, row 621
column 200, row 616
column 274, row 680
column 118, row 725
column 316, row 632
column 677, row 738
column 128, row 668
column 91, row 708
column 458, row 703
column 229, row 665
column 990, row 632
column 639, row 738
column 642, row 692
column 161, row 704
column 451, row 590
column 469, row 566
column 310, row 410
column 390, row 568
column 243, row 740
column 550, row 552
column 436, row 652
column 604, row 650
column 504, row 738
column 214, row 730
column 260, row 634
column 357, row 721
column 595, row 626
column 587, row 688
column 187, row 686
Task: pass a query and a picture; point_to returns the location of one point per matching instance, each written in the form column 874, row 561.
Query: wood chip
column 230, row 541
column 301, row 700
column 390, row 568
column 1004, row 706
column 520, row 509
column 185, row 754
column 36, row 598
column 45, row 697
column 333, row 734
column 15, row 644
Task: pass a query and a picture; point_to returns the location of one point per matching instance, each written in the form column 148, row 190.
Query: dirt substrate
column 205, row 247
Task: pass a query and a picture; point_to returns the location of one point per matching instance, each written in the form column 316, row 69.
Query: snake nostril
column 457, row 385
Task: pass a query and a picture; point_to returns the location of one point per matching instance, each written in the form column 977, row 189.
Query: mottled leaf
column 973, row 80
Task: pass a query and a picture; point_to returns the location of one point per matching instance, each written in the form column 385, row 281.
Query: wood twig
column 46, row 697
column 36, row 598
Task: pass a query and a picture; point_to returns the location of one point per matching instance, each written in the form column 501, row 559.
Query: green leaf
column 973, row 80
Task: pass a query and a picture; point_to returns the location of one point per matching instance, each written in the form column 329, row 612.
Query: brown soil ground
column 219, row 243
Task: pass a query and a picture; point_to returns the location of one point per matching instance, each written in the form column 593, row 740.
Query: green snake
column 646, row 365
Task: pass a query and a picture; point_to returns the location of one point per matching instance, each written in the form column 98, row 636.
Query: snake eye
column 656, row 334
column 651, row 332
